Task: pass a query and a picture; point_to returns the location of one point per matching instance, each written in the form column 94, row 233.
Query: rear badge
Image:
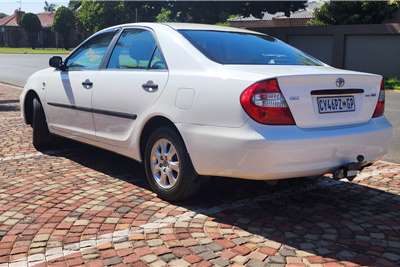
column 340, row 82
column 294, row 98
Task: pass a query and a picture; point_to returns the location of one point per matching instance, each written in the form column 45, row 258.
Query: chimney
column 18, row 15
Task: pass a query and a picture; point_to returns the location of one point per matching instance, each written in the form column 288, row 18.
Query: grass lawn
column 24, row 50
column 392, row 83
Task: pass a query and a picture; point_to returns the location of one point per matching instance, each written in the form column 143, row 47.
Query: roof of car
column 187, row 26
column 198, row 26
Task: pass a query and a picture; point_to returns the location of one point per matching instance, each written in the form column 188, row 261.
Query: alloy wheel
column 164, row 163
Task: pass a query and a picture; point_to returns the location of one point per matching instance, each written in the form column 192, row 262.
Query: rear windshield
column 246, row 48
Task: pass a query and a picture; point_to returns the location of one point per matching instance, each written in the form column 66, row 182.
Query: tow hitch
column 350, row 170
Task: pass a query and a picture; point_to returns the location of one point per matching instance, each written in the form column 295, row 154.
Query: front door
column 69, row 92
column 132, row 81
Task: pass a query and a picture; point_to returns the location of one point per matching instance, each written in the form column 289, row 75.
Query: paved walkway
column 78, row 205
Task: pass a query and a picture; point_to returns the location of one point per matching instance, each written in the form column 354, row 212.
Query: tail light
column 380, row 105
column 264, row 102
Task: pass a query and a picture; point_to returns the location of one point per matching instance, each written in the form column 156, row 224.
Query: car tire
column 42, row 139
column 161, row 169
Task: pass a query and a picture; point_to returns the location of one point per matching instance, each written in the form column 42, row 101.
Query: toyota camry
column 191, row 100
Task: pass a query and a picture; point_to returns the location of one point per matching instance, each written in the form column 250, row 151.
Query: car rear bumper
column 276, row 152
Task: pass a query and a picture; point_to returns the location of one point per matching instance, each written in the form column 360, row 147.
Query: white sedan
column 192, row 100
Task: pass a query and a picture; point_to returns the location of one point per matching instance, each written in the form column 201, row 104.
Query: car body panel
column 128, row 98
column 68, row 103
column 276, row 152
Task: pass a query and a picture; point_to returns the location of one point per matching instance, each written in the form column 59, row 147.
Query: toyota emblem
column 339, row 82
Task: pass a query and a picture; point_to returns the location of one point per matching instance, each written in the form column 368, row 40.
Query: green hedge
column 392, row 83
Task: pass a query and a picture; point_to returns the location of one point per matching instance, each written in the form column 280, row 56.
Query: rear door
column 69, row 92
column 133, row 79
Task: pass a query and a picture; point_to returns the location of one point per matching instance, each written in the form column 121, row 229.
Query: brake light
column 264, row 102
column 380, row 105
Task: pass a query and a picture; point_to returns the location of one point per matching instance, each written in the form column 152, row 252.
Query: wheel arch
column 151, row 125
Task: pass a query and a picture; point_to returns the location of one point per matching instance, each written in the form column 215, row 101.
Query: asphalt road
column 393, row 113
column 15, row 69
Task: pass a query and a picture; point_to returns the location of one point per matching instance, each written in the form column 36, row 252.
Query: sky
column 34, row 6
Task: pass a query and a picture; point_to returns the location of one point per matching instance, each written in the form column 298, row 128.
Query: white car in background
column 192, row 100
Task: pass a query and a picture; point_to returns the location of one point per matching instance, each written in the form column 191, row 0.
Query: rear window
column 246, row 48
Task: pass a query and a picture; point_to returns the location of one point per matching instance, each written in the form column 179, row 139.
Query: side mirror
column 57, row 62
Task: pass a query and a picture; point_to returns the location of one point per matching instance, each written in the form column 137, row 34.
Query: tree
column 64, row 23
column 95, row 15
column 2, row 15
column 74, row 4
column 219, row 11
column 32, row 26
column 354, row 12
column 49, row 7
column 165, row 15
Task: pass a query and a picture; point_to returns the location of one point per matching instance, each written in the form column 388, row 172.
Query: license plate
column 333, row 104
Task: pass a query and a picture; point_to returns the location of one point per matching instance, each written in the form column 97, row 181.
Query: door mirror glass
column 56, row 62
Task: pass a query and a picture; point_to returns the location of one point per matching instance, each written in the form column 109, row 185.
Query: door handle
column 150, row 86
column 87, row 84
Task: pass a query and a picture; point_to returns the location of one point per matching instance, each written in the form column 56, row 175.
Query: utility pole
column 20, row 4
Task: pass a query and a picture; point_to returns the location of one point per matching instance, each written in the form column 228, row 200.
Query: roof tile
column 46, row 19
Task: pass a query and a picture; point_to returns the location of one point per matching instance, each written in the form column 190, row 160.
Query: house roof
column 46, row 19
column 5, row 20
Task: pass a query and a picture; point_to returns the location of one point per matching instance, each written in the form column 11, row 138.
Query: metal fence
column 371, row 48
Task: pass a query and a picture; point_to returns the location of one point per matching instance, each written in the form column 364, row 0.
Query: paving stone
column 220, row 262
column 276, row 259
column 214, row 247
column 112, row 220
column 178, row 263
column 192, row 258
column 285, row 251
column 208, row 255
column 255, row 263
column 240, row 259
column 243, row 250
column 149, row 258
column 198, row 249
column 154, row 242
column 168, row 257
column 239, row 241
column 79, row 205
column 113, row 260
column 123, row 209
column 158, row 263
column 257, row 256
column 283, row 265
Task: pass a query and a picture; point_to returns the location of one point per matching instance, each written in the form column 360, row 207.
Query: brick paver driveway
column 81, row 205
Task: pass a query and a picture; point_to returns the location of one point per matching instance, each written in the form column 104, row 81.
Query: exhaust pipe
column 350, row 170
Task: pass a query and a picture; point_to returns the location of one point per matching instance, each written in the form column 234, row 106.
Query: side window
column 90, row 55
column 134, row 50
column 157, row 62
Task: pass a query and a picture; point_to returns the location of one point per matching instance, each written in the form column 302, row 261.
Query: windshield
column 246, row 48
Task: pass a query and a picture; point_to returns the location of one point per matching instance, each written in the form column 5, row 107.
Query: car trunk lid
column 321, row 96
